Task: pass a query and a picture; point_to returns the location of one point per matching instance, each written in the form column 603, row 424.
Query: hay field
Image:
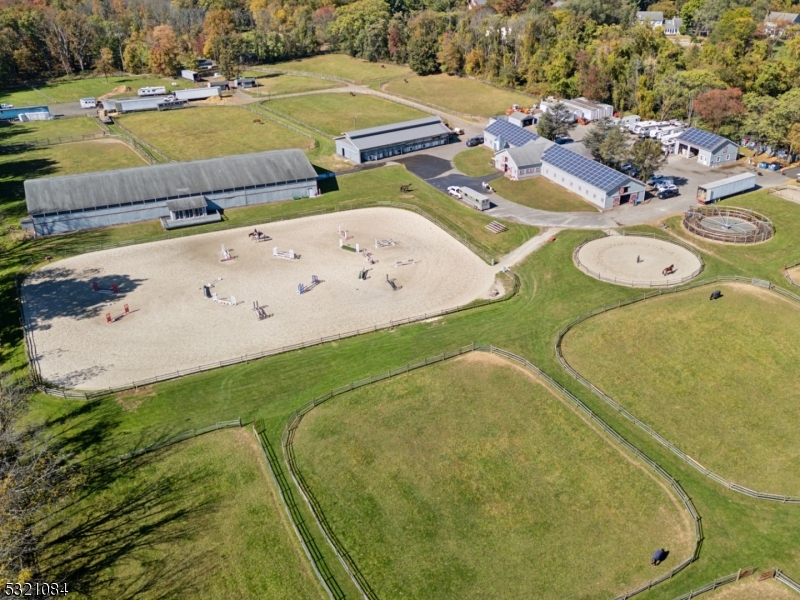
column 346, row 67
column 173, row 327
column 211, row 131
column 469, row 480
column 718, row 379
column 459, row 94
column 334, row 113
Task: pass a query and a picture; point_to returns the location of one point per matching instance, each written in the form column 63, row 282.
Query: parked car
column 6, row 106
column 455, row 191
column 668, row 192
column 458, row 131
column 565, row 140
column 475, row 141
column 654, row 179
column 664, row 183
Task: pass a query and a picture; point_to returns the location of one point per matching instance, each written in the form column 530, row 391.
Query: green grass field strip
column 211, row 131
column 716, row 413
column 276, row 85
column 738, row 530
column 407, row 542
column 343, row 67
column 475, row 162
column 57, row 129
column 541, row 194
column 65, row 90
column 458, row 94
column 335, row 113
column 198, row 518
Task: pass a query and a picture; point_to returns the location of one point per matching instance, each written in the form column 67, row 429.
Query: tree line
column 728, row 72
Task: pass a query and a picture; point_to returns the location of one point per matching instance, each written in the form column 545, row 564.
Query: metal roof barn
column 375, row 143
column 166, row 181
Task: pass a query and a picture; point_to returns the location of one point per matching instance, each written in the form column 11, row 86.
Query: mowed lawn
column 72, row 90
column 541, row 193
column 470, row 480
column 210, row 131
column 289, row 84
column 338, row 112
column 346, row 67
column 19, row 133
column 459, row 94
column 718, row 379
column 475, row 162
column 200, row 519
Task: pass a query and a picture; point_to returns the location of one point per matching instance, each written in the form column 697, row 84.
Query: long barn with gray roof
column 180, row 194
column 376, row 143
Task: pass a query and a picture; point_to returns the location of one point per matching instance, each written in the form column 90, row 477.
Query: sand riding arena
column 637, row 261
column 110, row 318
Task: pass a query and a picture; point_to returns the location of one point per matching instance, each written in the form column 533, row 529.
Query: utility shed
column 597, row 183
column 523, row 162
column 520, row 119
column 375, row 143
column 501, row 134
column 172, row 192
column 710, row 149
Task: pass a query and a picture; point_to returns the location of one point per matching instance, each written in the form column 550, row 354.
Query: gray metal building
column 375, row 143
column 710, row 149
column 180, row 194
column 601, row 185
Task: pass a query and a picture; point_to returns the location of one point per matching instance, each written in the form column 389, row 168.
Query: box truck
column 717, row 190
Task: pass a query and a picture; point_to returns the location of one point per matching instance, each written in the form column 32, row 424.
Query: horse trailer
column 475, row 199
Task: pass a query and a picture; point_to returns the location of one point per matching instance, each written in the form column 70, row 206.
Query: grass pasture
column 211, row 131
column 33, row 131
column 277, row 85
column 199, row 518
column 469, row 479
column 346, row 67
column 752, row 589
column 61, row 91
column 475, row 162
column 338, row 112
column 718, row 379
column 458, row 94
column 539, row 193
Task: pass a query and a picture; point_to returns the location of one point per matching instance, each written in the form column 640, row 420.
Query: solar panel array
column 585, row 169
column 513, row 135
column 701, row 139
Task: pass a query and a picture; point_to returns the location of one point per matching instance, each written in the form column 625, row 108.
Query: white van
column 152, row 91
column 88, row 103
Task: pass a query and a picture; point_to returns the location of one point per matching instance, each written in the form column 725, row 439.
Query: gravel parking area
column 171, row 326
column 637, row 261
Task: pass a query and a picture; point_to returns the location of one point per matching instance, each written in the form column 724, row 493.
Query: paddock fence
column 739, row 575
column 152, row 150
column 635, row 420
column 180, row 437
column 25, row 146
column 42, row 385
column 287, row 443
column 787, row 581
column 763, row 227
column 299, row 524
column 263, row 113
column 641, row 284
column 787, row 275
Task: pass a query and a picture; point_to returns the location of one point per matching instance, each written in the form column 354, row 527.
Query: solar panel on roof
column 512, row 134
column 702, row 139
column 585, row 169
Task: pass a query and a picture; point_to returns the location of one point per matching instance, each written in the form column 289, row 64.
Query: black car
column 668, row 193
column 475, row 141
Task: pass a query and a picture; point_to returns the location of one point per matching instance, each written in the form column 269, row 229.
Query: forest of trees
column 739, row 81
